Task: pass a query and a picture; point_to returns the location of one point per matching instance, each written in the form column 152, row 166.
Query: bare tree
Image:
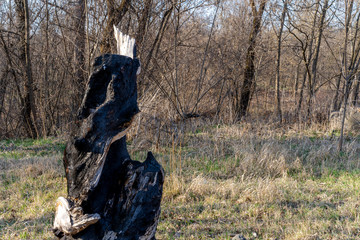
column 249, row 71
column 349, row 70
column 348, row 15
column 278, row 61
column 29, row 110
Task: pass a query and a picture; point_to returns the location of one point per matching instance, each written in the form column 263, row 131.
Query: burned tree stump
column 110, row 196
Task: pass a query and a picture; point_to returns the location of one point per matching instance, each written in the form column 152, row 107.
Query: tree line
column 283, row 60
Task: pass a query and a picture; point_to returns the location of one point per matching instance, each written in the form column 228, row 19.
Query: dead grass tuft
column 352, row 119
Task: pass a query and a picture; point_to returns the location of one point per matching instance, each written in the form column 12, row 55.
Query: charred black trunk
column 110, row 196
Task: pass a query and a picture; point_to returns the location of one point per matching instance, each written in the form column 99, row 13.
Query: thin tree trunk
column 355, row 92
column 336, row 104
column 249, row 71
column 301, row 96
column 343, row 70
column 175, row 83
column 348, row 83
column 341, row 139
column 3, row 86
column 23, row 24
column 142, row 24
column 349, row 78
column 278, row 62
column 296, row 84
column 46, row 95
column 79, row 47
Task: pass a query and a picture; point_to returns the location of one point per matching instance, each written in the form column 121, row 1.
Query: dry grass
column 281, row 208
column 352, row 120
column 260, row 182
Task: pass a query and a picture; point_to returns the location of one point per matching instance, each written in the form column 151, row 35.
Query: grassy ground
column 222, row 181
column 31, row 179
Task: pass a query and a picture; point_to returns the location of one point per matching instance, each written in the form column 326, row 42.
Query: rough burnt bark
column 110, row 196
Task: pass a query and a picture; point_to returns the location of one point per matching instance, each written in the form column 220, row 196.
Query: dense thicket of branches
column 219, row 59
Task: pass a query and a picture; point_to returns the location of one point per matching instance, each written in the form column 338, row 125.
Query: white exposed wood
column 125, row 43
column 72, row 220
column 62, row 216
